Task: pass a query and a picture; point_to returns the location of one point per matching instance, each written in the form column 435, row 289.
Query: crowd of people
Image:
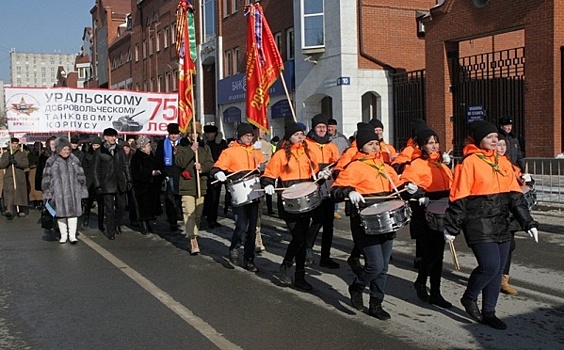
column 310, row 173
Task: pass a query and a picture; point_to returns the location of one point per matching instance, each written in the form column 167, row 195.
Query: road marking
column 197, row 323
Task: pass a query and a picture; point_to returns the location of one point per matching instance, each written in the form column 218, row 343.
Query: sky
column 41, row 26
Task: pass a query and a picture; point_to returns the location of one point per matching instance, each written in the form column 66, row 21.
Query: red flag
column 186, row 66
column 264, row 66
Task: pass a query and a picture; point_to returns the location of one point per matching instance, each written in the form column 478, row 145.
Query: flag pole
column 197, row 160
column 288, row 97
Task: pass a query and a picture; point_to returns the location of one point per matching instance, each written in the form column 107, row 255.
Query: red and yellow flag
column 264, row 66
column 186, row 66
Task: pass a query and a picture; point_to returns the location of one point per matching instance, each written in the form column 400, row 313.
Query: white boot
column 72, row 223
column 63, row 229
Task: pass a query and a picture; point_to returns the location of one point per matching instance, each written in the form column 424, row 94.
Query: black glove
column 128, row 186
column 12, row 160
column 98, row 190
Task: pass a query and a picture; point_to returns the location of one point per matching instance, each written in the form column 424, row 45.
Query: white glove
column 446, row 158
column 412, row 188
column 534, row 233
column 527, row 178
column 448, row 236
column 423, row 201
column 324, row 174
column 257, row 145
column 269, row 189
column 221, row 176
column 356, row 198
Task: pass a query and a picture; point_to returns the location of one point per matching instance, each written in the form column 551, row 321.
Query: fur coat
column 65, row 183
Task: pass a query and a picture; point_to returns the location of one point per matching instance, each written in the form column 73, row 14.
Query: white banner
column 88, row 111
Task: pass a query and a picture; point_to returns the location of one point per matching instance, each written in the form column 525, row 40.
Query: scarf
column 169, row 151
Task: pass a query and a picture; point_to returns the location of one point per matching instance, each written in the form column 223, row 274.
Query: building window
column 209, row 20
column 167, row 82
column 159, row 87
column 129, row 55
column 327, row 106
column 236, row 60
column 278, row 41
column 290, row 44
column 144, row 49
column 159, row 33
column 136, row 52
column 175, row 80
column 228, row 63
column 173, row 33
column 165, row 37
column 150, row 45
column 234, row 6
column 225, row 8
column 312, row 16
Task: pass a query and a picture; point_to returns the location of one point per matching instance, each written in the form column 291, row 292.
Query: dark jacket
column 514, row 152
column 146, row 186
column 111, row 172
column 45, row 154
column 88, row 166
column 185, row 159
column 172, row 171
column 65, row 183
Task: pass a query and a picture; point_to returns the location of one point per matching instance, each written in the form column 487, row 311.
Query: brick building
column 500, row 57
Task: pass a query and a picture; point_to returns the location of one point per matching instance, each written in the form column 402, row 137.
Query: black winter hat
column 318, row 119
column 110, row 132
column 364, row 126
column 423, row 135
column 417, row 124
column 331, row 121
column 376, row 123
column 480, row 129
column 96, row 140
column 210, row 128
column 74, row 140
column 290, row 128
column 505, row 121
column 243, row 129
column 364, row 136
column 60, row 143
column 173, row 128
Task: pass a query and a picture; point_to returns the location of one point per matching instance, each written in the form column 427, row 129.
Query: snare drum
column 435, row 214
column 243, row 190
column 301, row 197
column 385, row 217
column 530, row 196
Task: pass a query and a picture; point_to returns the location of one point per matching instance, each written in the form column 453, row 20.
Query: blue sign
column 474, row 113
column 343, row 81
column 232, row 115
column 232, row 89
column 280, row 109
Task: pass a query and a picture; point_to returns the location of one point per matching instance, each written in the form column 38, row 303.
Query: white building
column 38, row 69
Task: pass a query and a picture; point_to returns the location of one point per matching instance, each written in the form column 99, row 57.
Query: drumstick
column 250, row 172
column 216, row 181
column 449, row 151
column 276, row 189
column 454, row 257
column 382, row 197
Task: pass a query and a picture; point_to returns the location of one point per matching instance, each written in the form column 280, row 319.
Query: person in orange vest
column 292, row 164
column 241, row 157
column 483, row 194
column 388, row 151
column 368, row 175
column 435, row 179
column 324, row 153
column 411, row 150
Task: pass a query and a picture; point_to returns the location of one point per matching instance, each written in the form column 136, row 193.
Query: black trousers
column 432, row 247
column 173, row 203
column 114, row 206
column 323, row 216
column 298, row 226
column 211, row 202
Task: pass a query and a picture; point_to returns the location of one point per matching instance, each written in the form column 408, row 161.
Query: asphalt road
column 142, row 292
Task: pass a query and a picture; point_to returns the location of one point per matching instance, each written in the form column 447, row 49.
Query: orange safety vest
column 482, row 172
column 430, row 174
column 368, row 174
column 322, row 153
column 239, row 157
column 299, row 166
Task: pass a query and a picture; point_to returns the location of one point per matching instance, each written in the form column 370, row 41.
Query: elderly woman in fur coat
column 64, row 183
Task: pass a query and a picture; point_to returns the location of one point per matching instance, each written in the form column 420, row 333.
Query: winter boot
column 284, row 275
column 300, row 282
column 356, row 297
column 377, row 311
column 506, row 287
column 194, row 247
column 259, row 246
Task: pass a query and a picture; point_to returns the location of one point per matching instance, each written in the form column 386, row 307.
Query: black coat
column 88, row 166
column 172, row 171
column 145, row 186
column 514, row 152
column 111, row 172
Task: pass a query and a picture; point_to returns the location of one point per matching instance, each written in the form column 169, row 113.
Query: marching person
column 145, row 174
column 483, row 194
column 266, row 149
column 112, row 179
column 388, row 151
column 88, row 166
column 165, row 153
column 35, row 196
column 243, row 159
column 340, row 140
column 434, row 179
column 523, row 179
column 324, row 153
column 514, row 150
column 292, row 164
column 192, row 203
column 64, row 185
column 369, row 175
column 211, row 202
column 14, row 161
